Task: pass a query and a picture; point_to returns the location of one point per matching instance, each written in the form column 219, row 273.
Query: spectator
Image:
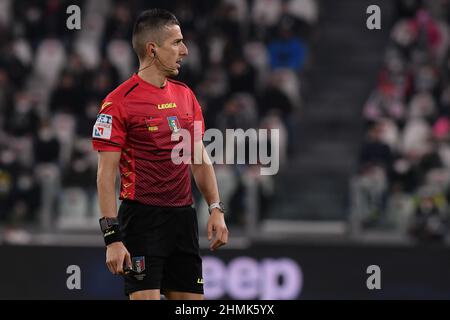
column 429, row 222
column 412, row 96
column 287, row 50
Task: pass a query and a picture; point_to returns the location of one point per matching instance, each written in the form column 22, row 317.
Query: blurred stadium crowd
column 245, row 64
column 403, row 180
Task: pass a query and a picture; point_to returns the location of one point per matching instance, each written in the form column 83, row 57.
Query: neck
column 152, row 75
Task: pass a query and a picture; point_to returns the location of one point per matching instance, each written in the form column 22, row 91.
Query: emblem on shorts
column 137, row 267
column 138, row 264
column 200, row 281
column 173, row 123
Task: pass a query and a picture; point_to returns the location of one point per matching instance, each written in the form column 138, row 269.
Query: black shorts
column 164, row 249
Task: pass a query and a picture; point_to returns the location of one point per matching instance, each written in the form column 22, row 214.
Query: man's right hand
column 116, row 255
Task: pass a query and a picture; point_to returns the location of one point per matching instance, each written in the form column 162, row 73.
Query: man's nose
column 184, row 50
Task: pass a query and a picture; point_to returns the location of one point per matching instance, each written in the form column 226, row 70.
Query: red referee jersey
column 137, row 119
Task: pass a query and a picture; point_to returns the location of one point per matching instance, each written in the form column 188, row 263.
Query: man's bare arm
column 205, row 179
column 108, row 162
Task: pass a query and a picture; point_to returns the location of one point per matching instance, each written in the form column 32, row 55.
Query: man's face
column 171, row 52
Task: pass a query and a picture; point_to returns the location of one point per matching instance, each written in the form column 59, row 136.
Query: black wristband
column 112, row 234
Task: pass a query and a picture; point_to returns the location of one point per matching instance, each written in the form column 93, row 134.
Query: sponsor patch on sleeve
column 103, row 126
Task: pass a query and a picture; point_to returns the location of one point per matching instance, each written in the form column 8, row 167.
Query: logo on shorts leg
column 138, row 266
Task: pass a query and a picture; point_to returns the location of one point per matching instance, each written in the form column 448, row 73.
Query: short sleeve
column 109, row 132
column 199, row 123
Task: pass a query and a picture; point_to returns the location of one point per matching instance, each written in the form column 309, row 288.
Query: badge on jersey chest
column 174, row 124
column 151, row 125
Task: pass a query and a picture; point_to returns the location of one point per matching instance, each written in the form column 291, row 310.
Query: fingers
column 113, row 266
column 216, row 244
column 128, row 260
column 110, row 266
column 115, row 259
column 210, row 230
column 119, row 264
column 220, row 239
column 224, row 238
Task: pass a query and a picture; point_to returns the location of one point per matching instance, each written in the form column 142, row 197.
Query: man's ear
column 150, row 49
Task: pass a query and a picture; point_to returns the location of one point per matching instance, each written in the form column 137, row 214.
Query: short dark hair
column 150, row 22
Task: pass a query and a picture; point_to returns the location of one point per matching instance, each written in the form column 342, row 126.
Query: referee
column 153, row 238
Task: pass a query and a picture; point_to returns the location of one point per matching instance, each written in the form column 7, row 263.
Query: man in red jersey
column 153, row 240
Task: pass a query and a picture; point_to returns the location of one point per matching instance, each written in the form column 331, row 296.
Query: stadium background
column 365, row 153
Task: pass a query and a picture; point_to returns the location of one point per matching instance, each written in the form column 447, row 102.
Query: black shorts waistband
column 137, row 203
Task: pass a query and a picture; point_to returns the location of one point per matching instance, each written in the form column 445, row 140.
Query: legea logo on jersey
column 103, row 126
column 169, row 105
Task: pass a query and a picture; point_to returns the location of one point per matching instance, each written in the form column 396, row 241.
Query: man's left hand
column 218, row 229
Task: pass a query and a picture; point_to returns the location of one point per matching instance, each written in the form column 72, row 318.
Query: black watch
column 107, row 223
column 218, row 205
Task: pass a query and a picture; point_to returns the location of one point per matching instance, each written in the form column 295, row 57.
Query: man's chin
column 173, row 73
